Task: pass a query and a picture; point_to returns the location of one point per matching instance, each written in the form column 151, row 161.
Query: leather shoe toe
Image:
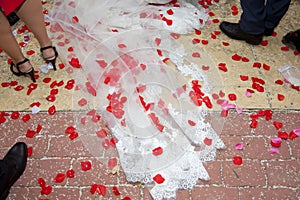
column 15, row 161
column 234, row 31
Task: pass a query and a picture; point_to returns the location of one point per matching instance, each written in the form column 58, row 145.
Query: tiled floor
column 261, row 176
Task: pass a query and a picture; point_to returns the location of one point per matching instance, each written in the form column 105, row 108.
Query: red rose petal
column 15, row 115
column 264, row 43
column 196, row 54
column 279, row 82
column 292, row 135
column 284, row 48
column 51, row 98
column 222, row 66
column 38, row 128
column 30, row 133
column 257, row 65
column 196, row 41
column 278, row 125
column 215, row 21
column 82, row 102
column 191, row 123
column 276, row 142
column 101, row 63
column 74, row 62
column 102, row 133
column 112, row 162
column 244, row 78
column 90, row 88
column 46, row 190
column 266, row 67
column 26, row 117
column 59, row 178
column 29, row 151
column 70, row 173
column 208, row 141
column 52, row 110
column 75, row 19
column 205, row 67
column 175, row 35
column 283, row 135
column 170, row 12
column 19, row 88
column 30, row 52
column 70, row 129
column 158, row 179
column 13, row 83
column 113, row 142
column 280, row 97
column 121, row 46
column 116, row 191
column 225, row 44
column 85, row 166
column 157, row 151
column 236, row 57
column 197, row 32
column 245, row 59
column 237, row 160
column 106, row 143
column 101, row 189
column 61, row 65
column 232, row 97
column 205, row 42
column 73, row 135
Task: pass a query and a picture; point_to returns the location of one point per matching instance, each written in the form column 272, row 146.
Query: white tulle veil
column 135, row 80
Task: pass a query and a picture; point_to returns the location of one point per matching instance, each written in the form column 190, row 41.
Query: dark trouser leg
column 275, row 9
column 253, row 16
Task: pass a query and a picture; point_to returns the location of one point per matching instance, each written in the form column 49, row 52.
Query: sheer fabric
column 133, row 74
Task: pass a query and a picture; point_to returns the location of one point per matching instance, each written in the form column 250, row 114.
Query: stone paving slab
column 262, row 175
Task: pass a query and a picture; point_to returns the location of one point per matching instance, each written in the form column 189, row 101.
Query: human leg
column 36, row 24
column 9, row 44
column 275, row 10
column 253, row 17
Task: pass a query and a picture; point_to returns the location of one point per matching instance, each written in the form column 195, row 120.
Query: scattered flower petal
column 159, row 179
column 276, row 142
column 239, row 146
column 237, row 160
column 85, row 166
column 274, row 150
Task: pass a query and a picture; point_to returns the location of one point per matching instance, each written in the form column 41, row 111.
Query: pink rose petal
column 248, row 94
column 239, row 146
column 239, row 110
column 297, row 131
column 274, row 150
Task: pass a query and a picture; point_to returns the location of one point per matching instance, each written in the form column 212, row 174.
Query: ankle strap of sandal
column 47, row 47
column 22, row 62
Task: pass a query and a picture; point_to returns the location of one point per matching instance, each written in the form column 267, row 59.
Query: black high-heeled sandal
column 52, row 59
column 19, row 72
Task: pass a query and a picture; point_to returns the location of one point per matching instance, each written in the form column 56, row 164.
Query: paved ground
column 261, row 175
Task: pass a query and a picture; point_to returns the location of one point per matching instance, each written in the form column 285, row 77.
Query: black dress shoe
column 292, row 40
column 15, row 163
column 234, row 31
column 268, row 31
